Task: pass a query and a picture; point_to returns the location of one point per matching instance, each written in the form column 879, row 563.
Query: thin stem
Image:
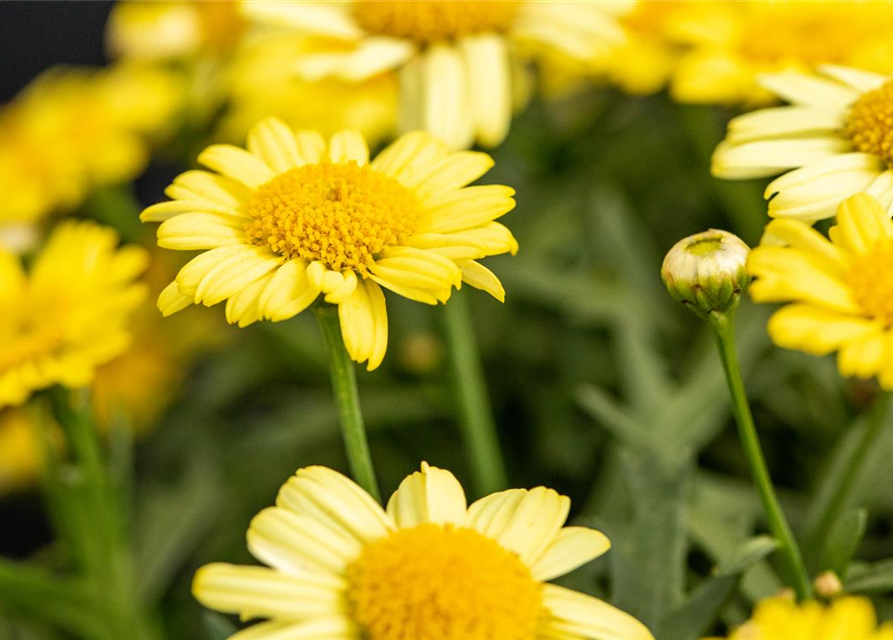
column 344, row 386
column 724, row 327
column 854, row 466
column 476, row 420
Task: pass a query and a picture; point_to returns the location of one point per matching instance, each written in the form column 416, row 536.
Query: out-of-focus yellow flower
column 70, row 313
column 837, row 135
column 327, row 105
column 20, row 452
column 841, row 291
column 152, row 30
column 730, row 43
column 71, row 130
column 455, row 59
column 781, row 618
column 295, row 217
column 429, row 567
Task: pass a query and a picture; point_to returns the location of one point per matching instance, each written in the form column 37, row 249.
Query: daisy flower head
column 780, row 618
column 455, row 59
column 70, row 314
column 343, row 568
column 835, row 139
column 840, row 290
column 295, row 217
column 725, row 46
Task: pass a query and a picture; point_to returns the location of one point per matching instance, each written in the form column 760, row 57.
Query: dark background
column 35, row 35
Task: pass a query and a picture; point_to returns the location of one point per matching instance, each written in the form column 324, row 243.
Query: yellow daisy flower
column 729, row 44
column 455, row 58
column 326, row 106
column 293, row 218
column 841, row 290
column 837, row 135
column 342, row 568
column 20, row 453
column 70, row 314
column 781, row 618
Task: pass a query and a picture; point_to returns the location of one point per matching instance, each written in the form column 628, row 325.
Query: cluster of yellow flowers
column 302, row 214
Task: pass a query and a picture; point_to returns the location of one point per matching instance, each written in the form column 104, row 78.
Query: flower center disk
column 435, row 582
column 430, row 20
column 871, row 280
column 342, row 215
column 870, row 122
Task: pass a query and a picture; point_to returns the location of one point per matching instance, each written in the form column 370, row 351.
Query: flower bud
column 706, row 271
column 828, row 585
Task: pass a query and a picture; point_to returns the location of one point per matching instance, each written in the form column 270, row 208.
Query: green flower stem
column 476, row 420
column 854, row 466
column 344, row 386
column 724, row 327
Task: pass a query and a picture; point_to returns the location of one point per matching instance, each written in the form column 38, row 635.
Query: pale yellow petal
column 489, row 78
column 800, row 235
column 858, row 79
column 447, row 105
column 372, row 56
column 197, row 268
column 190, row 231
column 170, row 301
column 311, row 146
column 453, row 172
column 288, row 292
column 819, row 199
column 337, row 627
column 430, row 495
column 364, row 324
column 205, row 186
column 297, row 544
column 764, row 158
column 336, row 502
column 254, row 592
column 317, row 18
column 242, row 308
column 816, row 330
column 524, row 522
column 231, row 276
column 572, row 547
column 779, row 122
column 412, row 154
column 787, row 274
column 589, row 618
column 828, row 168
column 861, row 222
column 480, row 277
column 274, row 142
column 238, row 164
column 349, row 145
column 862, row 357
column 810, row 90
column 466, row 208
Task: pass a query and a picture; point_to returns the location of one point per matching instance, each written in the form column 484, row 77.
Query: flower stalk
column 344, row 387
column 476, row 419
column 723, row 325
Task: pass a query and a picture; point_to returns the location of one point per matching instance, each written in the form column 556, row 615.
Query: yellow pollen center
column 871, row 281
column 430, row 20
column 870, row 123
column 435, row 582
column 339, row 214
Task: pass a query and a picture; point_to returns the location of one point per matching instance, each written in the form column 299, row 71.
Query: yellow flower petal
column 298, row 545
column 446, row 110
column 364, row 324
column 336, row 502
column 809, row 90
column 489, row 78
column 586, row 617
column 466, row 208
column 431, row 495
column 288, row 292
column 816, row 330
column 572, row 547
column 242, row 308
column 347, row 146
column 861, row 222
column 189, row 231
column 329, row 628
column 255, row 592
column 238, row 164
column 274, row 142
column 480, row 277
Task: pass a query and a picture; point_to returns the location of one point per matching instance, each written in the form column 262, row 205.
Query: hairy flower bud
column 706, row 271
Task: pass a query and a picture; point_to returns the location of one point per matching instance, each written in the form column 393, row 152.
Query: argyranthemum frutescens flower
column 849, row 618
column 837, row 135
column 293, row 218
column 70, row 313
column 725, row 46
column 841, row 290
column 342, row 568
column 455, row 58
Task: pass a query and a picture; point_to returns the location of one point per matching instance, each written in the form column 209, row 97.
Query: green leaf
column 843, row 541
column 747, row 555
column 693, row 618
column 217, row 626
column 876, row 578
